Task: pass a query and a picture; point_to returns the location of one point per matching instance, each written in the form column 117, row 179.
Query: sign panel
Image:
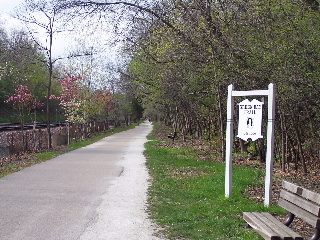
column 250, row 119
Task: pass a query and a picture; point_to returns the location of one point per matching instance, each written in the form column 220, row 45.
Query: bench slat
column 280, row 228
column 299, row 201
column 269, row 227
column 312, row 196
column 283, row 228
column 303, row 214
column 259, row 226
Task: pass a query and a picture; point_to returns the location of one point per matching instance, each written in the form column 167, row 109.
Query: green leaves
column 247, row 43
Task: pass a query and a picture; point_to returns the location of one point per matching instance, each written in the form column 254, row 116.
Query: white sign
column 247, row 124
column 250, row 119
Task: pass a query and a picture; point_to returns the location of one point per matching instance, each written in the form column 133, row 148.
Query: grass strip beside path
column 187, row 196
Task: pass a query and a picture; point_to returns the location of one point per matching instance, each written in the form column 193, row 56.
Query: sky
column 6, row 7
column 63, row 42
column 105, row 53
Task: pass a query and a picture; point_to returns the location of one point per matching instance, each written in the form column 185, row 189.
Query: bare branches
column 157, row 13
column 73, row 56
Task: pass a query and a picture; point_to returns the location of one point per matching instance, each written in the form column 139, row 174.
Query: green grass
column 187, row 196
column 15, row 166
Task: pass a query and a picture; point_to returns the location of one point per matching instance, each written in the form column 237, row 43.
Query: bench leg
column 289, row 219
column 316, row 236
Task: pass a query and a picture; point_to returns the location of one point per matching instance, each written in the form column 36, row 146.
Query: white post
column 229, row 143
column 270, row 145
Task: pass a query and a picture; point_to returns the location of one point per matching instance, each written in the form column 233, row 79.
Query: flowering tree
column 79, row 103
column 100, row 103
column 24, row 102
column 72, row 98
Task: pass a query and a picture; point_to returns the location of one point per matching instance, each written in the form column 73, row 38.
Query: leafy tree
column 20, row 65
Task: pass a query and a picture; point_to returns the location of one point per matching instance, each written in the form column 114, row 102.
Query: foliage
column 183, row 63
column 79, row 103
column 20, row 64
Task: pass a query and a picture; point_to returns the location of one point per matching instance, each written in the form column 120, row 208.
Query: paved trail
column 93, row 193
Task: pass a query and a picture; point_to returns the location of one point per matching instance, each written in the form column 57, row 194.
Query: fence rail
column 27, row 126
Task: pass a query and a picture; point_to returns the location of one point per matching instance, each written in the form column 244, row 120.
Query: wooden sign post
column 250, row 117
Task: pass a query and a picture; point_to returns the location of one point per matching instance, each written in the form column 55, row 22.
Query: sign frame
column 270, row 137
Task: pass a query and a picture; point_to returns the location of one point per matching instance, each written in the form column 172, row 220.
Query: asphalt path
column 96, row 192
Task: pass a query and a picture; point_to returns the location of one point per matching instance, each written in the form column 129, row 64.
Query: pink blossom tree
column 81, row 104
column 23, row 101
column 72, row 98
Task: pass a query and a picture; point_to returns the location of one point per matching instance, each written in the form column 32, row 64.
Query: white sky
column 63, row 42
column 6, row 8
column 9, row 23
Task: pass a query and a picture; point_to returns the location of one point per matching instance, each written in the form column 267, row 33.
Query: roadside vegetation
column 187, row 198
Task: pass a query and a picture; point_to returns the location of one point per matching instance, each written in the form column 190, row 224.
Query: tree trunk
column 261, row 150
column 300, row 150
column 223, row 152
column 243, row 146
column 50, row 68
column 284, row 144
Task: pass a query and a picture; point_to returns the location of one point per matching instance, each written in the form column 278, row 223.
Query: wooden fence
column 13, row 142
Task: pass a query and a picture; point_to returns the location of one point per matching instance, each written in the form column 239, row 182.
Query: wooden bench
column 299, row 202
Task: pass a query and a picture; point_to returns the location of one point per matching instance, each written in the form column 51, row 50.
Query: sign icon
column 250, row 119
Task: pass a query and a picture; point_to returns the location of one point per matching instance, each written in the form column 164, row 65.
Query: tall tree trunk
column 284, row 144
column 261, row 150
column 222, row 137
column 48, row 102
column 300, row 150
column 243, row 146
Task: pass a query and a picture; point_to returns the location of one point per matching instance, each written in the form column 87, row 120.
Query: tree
column 186, row 53
column 24, row 102
column 249, row 44
column 42, row 15
column 20, row 65
column 79, row 103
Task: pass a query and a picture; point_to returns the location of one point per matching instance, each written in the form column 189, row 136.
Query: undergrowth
column 187, row 196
